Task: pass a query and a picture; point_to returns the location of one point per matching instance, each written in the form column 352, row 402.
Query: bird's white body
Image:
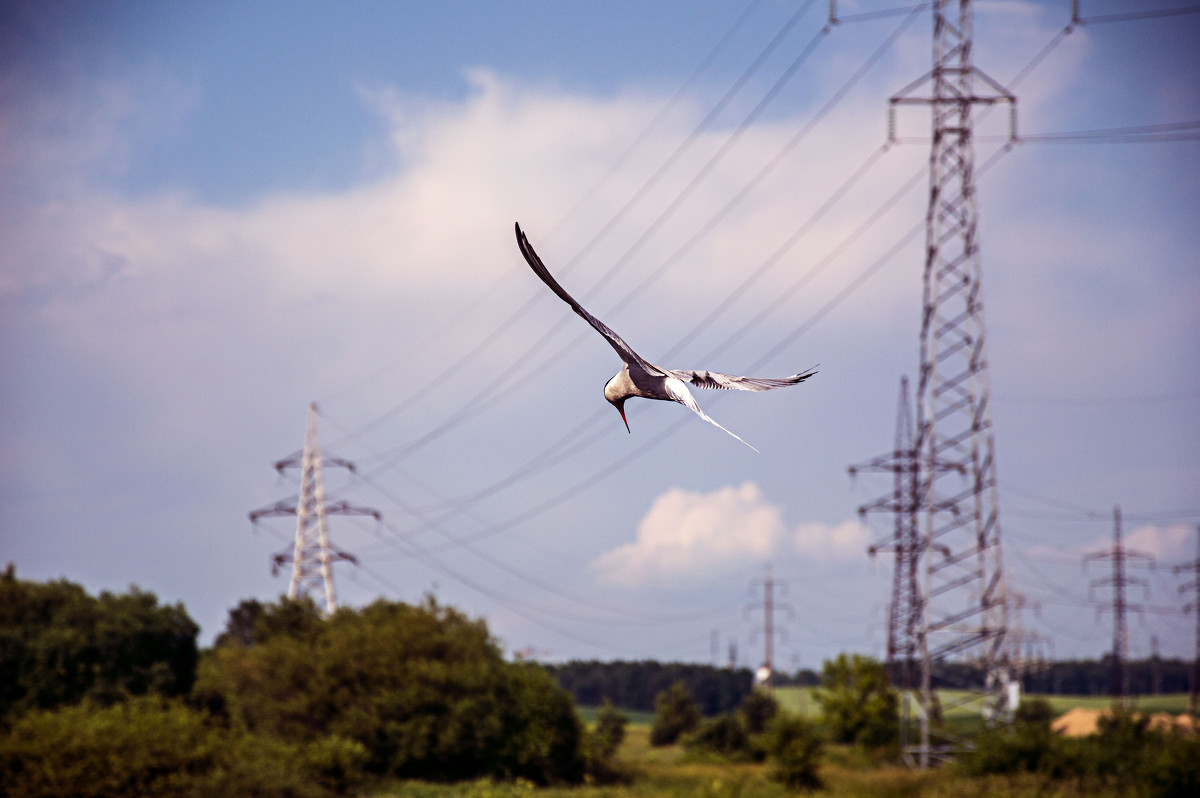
column 641, row 378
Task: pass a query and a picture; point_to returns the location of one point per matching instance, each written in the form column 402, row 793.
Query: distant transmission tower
column 769, row 605
column 311, row 554
column 1118, row 582
column 1193, row 607
column 904, row 611
column 965, row 609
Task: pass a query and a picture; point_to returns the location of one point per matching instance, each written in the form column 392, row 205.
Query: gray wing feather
column 624, row 351
column 714, row 379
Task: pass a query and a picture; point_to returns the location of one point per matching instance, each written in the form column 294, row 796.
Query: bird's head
column 616, row 397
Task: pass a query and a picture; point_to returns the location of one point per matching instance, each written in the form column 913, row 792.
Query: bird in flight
column 640, row 377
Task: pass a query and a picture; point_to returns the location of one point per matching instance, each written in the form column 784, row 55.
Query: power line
column 1119, row 581
column 1105, row 401
column 428, row 552
column 475, row 406
column 621, row 212
column 1130, row 16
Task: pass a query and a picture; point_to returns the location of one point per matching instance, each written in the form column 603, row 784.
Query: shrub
column 675, row 713
column 857, row 702
column 145, row 747
column 424, row 691
column 58, row 645
column 723, row 735
column 1126, row 754
column 603, row 742
column 796, row 747
column 757, row 710
column 337, row 763
column 610, row 728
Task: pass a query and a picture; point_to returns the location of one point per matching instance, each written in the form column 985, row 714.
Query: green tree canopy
column 423, row 688
column 757, row 711
column 58, row 645
column 857, row 702
column 675, row 712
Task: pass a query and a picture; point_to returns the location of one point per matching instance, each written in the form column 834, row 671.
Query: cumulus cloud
column 688, row 535
column 828, row 541
column 1162, row 543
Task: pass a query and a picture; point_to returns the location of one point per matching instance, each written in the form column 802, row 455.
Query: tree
column 148, row 746
column 723, row 735
column 675, row 712
column 58, row 645
column 858, row 704
column 757, row 710
column 796, row 748
column 610, row 729
column 635, row 685
column 603, row 742
column 423, row 688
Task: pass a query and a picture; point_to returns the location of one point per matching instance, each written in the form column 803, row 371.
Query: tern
column 640, row 377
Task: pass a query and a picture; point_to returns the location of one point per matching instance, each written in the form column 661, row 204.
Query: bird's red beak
column 621, row 410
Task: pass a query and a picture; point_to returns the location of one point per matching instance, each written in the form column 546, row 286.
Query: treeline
column 634, row 685
column 1094, row 677
column 109, row 695
column 1077, row 677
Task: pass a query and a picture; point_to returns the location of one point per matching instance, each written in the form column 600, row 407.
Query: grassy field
column 670, row 772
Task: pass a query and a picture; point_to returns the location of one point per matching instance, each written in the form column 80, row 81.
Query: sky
column 215, row 214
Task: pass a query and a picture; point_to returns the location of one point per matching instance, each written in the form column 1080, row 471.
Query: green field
column 848, row 772
column 801, row 700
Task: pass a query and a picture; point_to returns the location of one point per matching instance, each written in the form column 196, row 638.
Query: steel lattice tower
column 904, row 611
column 1119, row 580
column 311, row 554
column 769, row 606
column 1193, row 607
column 965, row 611
column 905, row 608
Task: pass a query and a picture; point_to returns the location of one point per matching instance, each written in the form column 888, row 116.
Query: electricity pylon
column 1194, row 607
column 311, row 553
column 965, row 608
column 904, row 611
column 769, row 604
column 1119, row 555
column 906, row 608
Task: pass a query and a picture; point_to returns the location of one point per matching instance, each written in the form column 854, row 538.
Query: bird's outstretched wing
column 623, row 349
column 713, row 379
column 679, row 392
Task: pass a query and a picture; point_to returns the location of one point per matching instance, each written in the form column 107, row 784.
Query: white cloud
column 1161, row 543
column 847, row 540
column 688, row 535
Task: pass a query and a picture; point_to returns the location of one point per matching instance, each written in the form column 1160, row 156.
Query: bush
column 723, row 735
column 337, row 763
column 146, row 747
column 1172, row 769
column 59, row 646
column 757, row 711
column 602, row 745
column 675, row 713
column 610, row 728
column 424, row 691
column 1125, row 754
column 796, row 747
column 857, row 702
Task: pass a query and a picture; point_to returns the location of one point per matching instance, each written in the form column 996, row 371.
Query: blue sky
column 214, row 214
